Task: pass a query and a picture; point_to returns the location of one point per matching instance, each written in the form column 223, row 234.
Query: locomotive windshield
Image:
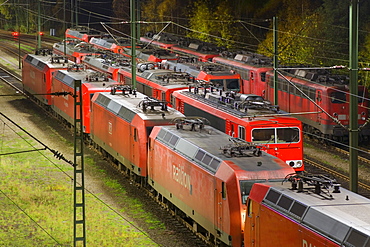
column 246, row 186
column 275, row 135
column 338, row 97
column 361, row 96
column 227, row 84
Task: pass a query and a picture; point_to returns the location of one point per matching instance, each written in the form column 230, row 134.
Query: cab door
column 319, row 103
column 220, row 196
column 241, row 132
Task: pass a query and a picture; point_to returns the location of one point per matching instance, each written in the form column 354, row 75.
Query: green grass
column 36, row 204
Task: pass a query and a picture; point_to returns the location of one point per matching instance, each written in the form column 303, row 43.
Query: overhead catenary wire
column 71, row 178
column 328, row 67
column 312, row 101
column 56, row 153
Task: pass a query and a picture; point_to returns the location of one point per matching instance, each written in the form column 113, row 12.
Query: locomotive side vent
column 201, row 157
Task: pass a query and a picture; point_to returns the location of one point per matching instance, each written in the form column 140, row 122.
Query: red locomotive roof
column 157, row 43
column 196, row 145
column 121, row 105
column 340, row 216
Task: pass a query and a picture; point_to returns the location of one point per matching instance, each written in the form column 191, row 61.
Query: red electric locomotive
column 105, row 44
column 248, row 117
column 109, row 63
column 251, row 67
column 162, row 40
column 308, row 216
column 326, row 98
column 323, row 97
column 37, row 74
column 82, row 33
column 202, row 51
column 75, row 50
column 207, row 175
column 92, row 82
column 183, row 45
column 122, row 122
column 152, row 55
column 156, row 83
column 208, row 72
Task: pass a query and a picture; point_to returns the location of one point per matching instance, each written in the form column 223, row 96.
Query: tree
column 202, row 22
column 298, row 34
column 225, row 25
column 364, row 59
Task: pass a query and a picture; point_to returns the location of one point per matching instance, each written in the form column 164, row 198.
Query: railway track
column 338, row 175
column 360, row 158
column 12, row 80
column 27, row 42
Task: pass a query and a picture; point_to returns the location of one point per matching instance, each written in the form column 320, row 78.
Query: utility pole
column 79, row 231
column 39, row 24
column 76, row 12
column 138, row 17
column 72, row 6
column 353, row 121
column 133, row 41
column 18, row 24
column 64, row 27
column 19, row 49
column 275, row 60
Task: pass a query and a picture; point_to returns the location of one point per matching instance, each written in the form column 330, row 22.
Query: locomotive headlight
column 363, row 116
column 294, row 163
column 335, row 114
column 299, row 163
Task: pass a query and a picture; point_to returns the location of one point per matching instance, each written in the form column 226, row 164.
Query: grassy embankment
column 36, row 202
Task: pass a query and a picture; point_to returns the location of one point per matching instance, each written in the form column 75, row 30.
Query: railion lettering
column 180, row 176
column 307, row 244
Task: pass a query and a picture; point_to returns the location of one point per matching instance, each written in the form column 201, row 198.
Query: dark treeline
column 312, row 32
